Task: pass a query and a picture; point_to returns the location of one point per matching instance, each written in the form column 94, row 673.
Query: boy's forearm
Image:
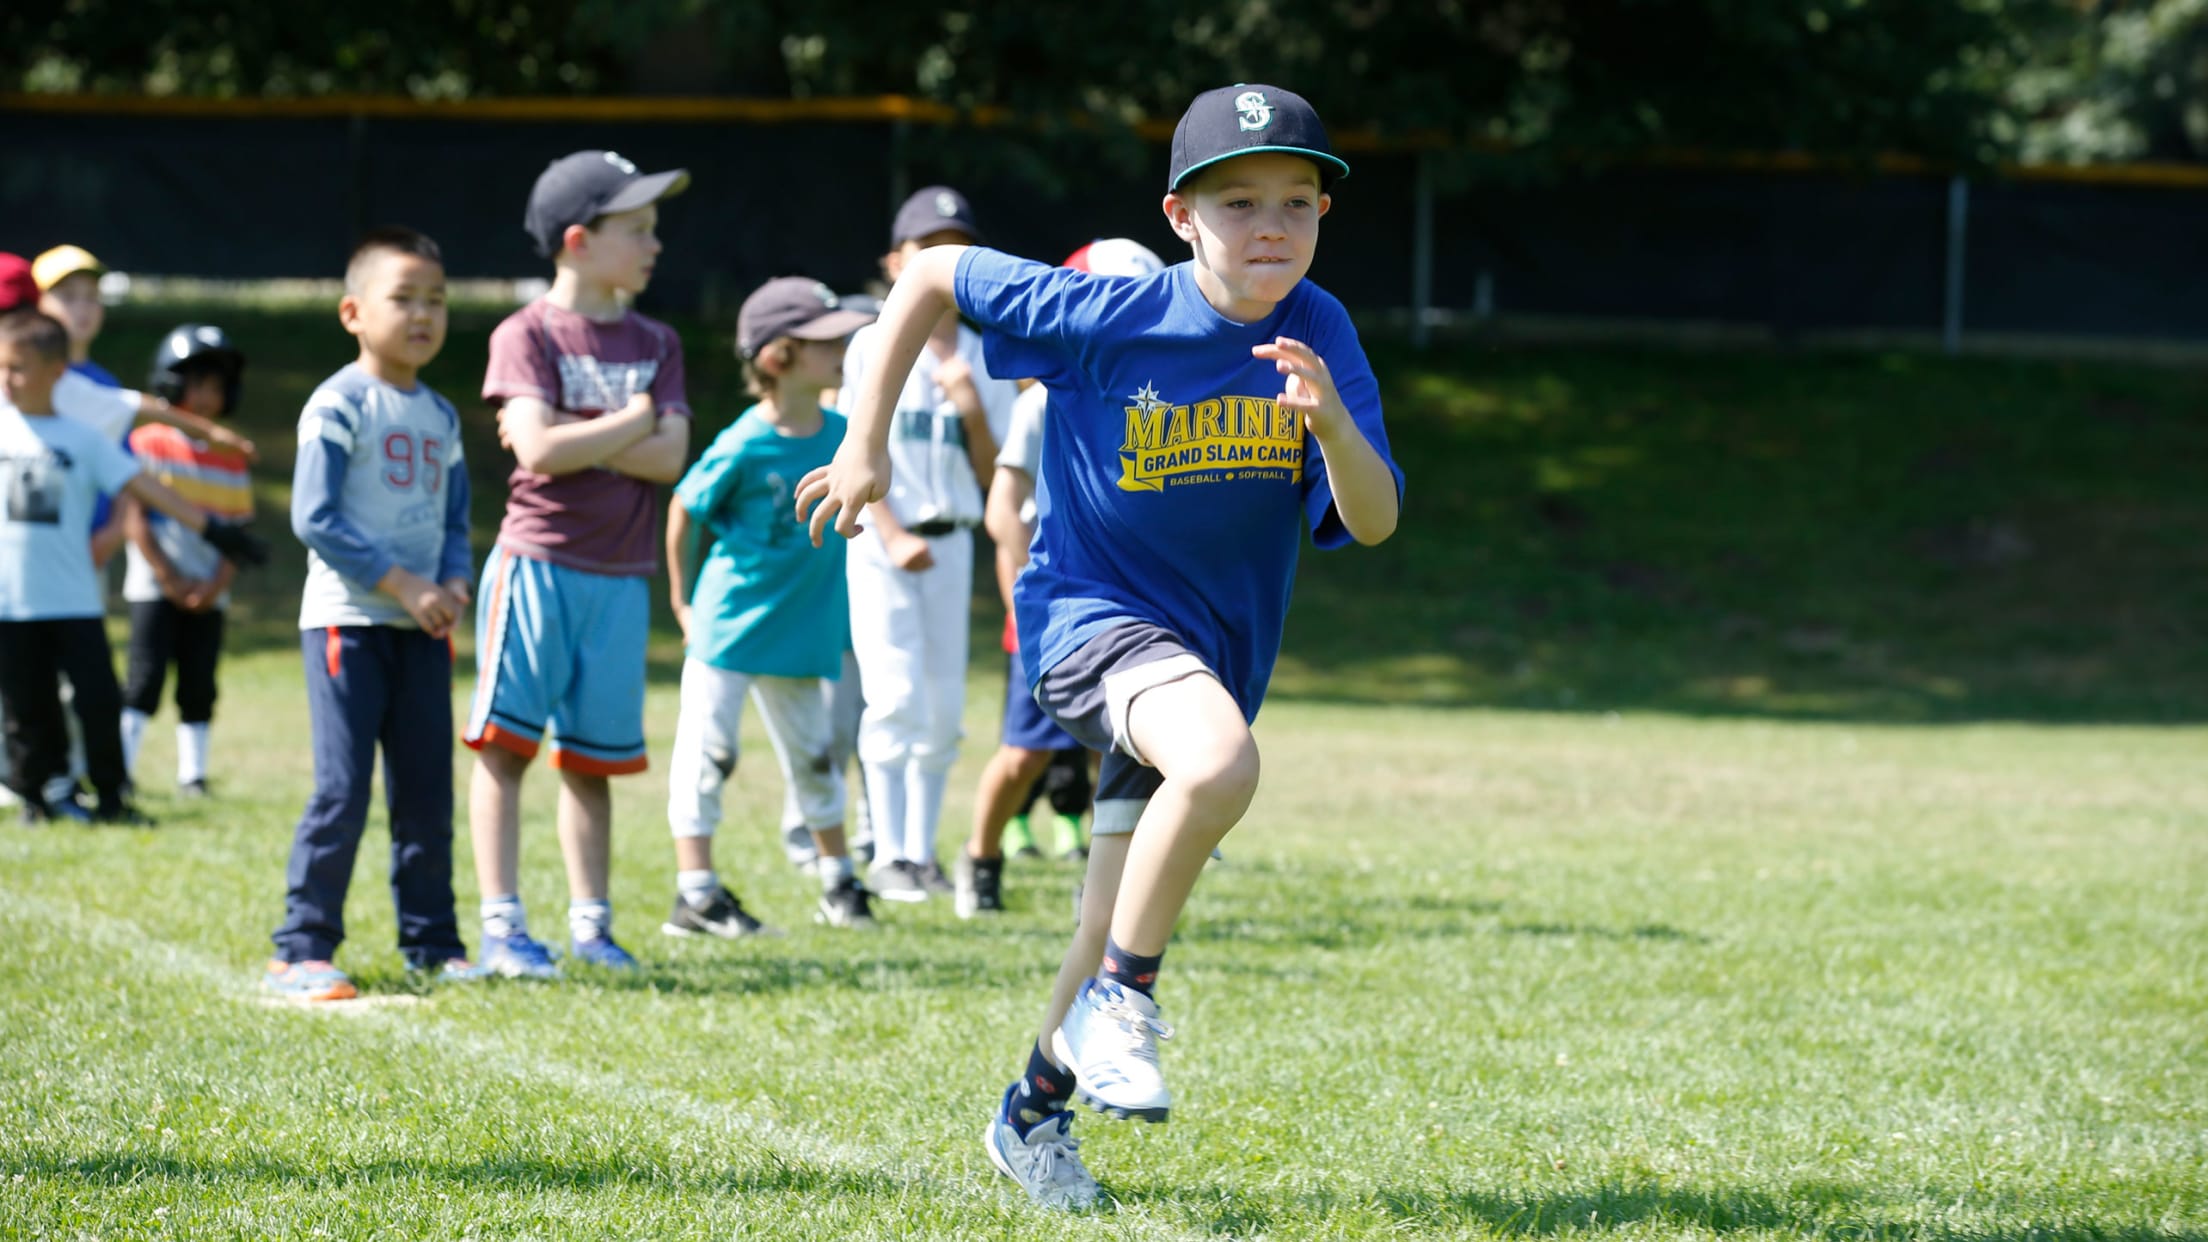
column 658, row 457
column 917, row 302
column 1364, row 487
column 154, row 495
column 568, row 448
column 681, row 535
column 140, row 533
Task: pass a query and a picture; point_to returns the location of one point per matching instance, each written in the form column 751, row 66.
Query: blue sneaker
column 517, row 957
column 1109, row 1043
column 602, row 952
column 308, row 981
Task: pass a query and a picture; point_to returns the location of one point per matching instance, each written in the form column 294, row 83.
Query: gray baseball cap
column 930, row 210
column 797, row 306
column 579, row 188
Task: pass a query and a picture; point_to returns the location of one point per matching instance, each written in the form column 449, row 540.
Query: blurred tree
column 2119, row 79
column 1951, row 80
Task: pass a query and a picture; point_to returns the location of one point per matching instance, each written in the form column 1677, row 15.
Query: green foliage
column 1551, row 77
column 2119, row 79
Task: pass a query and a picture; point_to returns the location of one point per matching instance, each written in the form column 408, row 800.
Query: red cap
column 17, row 286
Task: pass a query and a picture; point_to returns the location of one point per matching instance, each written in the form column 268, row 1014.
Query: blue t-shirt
column 51, row 469
column 1173, row 489
column 96, row 373
column 766, row 601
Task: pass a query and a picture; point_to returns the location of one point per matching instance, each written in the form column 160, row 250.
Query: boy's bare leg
column 830, row 842
column 1004, row 781
column 586, row 834
column 691, row 853
column 494, row 820
column 1100, row 889
column 1193, row 731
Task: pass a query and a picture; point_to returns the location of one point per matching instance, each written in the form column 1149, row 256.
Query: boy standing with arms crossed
column 1203, row 417
column 764, row 611
column 380, row 498
column 590, row 398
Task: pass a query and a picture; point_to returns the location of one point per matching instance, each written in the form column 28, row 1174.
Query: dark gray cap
column 932, row 209
column 579, row 188
column 796, row 306
column 1245, row 119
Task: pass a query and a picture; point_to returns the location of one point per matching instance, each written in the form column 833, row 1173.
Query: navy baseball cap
column 579, row 188
column 1247, row 118
column 932, row 209
column 796, row 306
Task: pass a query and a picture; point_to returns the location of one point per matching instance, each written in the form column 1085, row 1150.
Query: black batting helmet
column 196, row 347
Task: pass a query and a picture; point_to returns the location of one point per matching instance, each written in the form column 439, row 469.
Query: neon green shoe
column 1071, row 841
column 1019, row 838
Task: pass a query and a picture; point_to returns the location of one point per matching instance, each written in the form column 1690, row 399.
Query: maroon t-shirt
column 595, row 520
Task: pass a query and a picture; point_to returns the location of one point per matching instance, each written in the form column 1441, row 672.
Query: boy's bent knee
column 1224, row 773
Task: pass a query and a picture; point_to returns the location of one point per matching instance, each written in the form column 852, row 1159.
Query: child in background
column 763, row 610
column 51, row 468
column 380, row 498
column 176, row 586
column 590, row 398
column 912, row 572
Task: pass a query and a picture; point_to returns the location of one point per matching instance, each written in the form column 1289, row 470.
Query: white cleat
column 1109, row 1043
column 1046, row 1164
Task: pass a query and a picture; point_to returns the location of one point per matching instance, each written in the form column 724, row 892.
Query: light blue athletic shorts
column 560, row 650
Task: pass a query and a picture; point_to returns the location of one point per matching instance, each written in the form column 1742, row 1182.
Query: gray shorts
column 1088, row 694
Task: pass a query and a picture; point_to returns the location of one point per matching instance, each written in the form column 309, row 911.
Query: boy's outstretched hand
column 238, row 545
column 841, row 490
column 1309, row 387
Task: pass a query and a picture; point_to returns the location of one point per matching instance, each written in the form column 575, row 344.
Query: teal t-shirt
column 766, row 601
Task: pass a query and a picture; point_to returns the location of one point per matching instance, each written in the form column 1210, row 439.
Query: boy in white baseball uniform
column 762, row 609
column 912, row 573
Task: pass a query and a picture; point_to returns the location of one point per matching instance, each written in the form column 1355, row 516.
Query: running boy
column 50, row 607
column 590, row 399
column 1202, row 418
column 176, row 585
column 380, row 497
column 912, row 572
column 765, row 610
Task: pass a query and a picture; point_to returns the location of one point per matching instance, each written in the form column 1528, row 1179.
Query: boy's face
column 893, row 263
column 204, row 392
column 399, row 311
column 27, row 377
column 1253, row 222
column 75, row 301
column 817, row 363
column 621, row 251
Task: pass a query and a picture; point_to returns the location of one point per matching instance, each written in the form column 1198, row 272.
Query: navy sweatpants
column 366, row 685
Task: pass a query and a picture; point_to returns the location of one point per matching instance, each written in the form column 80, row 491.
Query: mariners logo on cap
column 826, row 295
column 1256, row 113
column 946, row 205
column 614, row 158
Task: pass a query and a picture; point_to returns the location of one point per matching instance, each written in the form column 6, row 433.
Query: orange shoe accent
column 341, row 989
column 569, row 761
column 504, row 740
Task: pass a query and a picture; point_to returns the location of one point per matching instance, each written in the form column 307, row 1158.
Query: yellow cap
column 62, row 262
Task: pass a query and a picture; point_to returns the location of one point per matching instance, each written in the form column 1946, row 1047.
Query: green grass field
column 1758, row 796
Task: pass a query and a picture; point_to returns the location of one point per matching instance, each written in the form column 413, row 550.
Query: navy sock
column 1130, row 970
column 1041, row 1092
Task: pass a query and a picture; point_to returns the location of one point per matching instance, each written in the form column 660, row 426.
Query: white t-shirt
column 931, row 476
column 109, row 411
column 1021, row 448
column 52, row 471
